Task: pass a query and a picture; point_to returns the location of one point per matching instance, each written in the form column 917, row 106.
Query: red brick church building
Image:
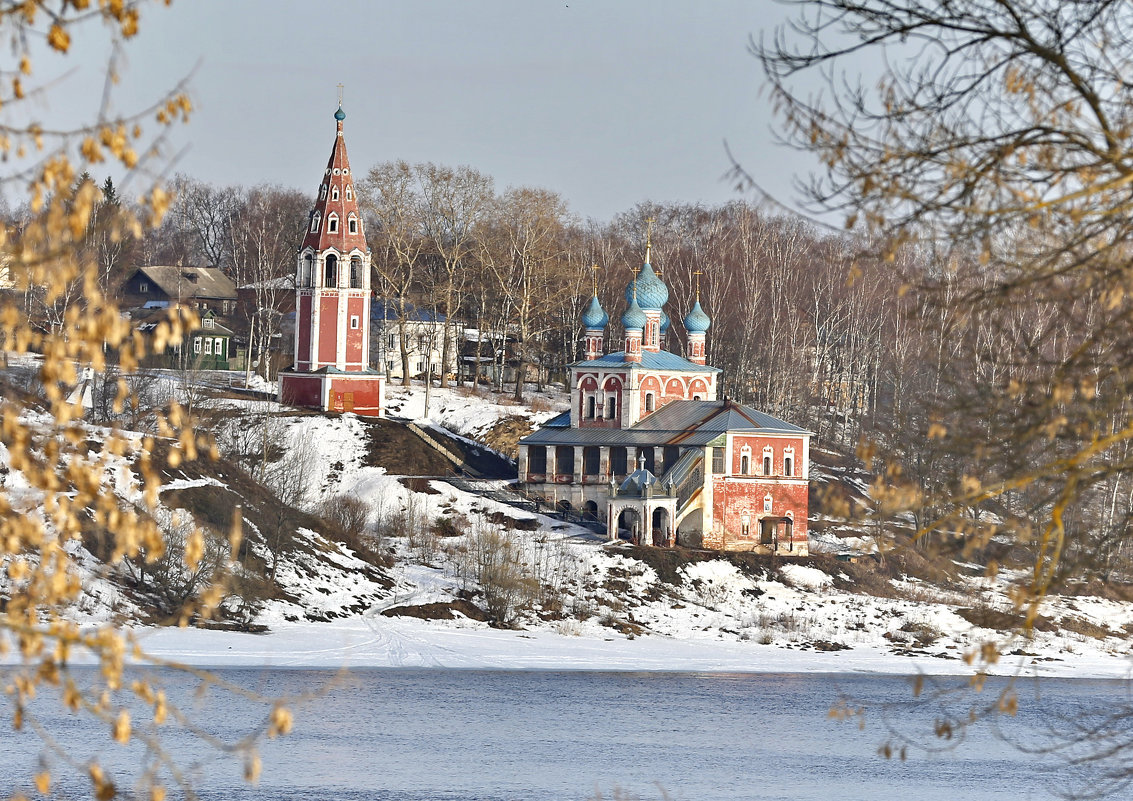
column 648, row 448
column 332, row 301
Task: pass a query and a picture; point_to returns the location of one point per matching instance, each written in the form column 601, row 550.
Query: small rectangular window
column 717, row 461
column 196, row 344
column 143, row 287
column 354, row 321
column 218, row 347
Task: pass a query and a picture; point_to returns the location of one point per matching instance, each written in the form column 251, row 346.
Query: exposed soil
column 439, row 611
column 401, row 452
column 505, row 435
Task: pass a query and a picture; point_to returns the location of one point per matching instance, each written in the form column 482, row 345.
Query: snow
column 614, row 612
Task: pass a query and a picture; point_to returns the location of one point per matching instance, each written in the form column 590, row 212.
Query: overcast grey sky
column 608, row 103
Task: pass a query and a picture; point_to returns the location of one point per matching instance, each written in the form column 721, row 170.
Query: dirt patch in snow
column 439, row 611
column 505, row 435
column 401, row 452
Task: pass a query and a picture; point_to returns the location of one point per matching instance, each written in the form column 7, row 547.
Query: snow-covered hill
column 433, row 558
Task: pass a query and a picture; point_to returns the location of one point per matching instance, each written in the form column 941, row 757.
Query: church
column 649, row 448
column 332, row 301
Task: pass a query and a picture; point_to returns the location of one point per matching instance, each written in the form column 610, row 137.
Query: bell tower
column 332, row 299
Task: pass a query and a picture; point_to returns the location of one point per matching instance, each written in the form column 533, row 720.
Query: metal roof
column 650, row 360
column 690, row 423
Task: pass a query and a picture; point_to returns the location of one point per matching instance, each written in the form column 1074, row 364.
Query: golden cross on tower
column 594, row 278
column 648, row 231
column 697, row 273
column 340, row 87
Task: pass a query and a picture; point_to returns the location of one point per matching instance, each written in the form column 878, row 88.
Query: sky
column 607, row 103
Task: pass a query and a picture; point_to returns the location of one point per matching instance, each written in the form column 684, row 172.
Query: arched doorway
column 662, row 525
column 629, row 525
column 590, row 510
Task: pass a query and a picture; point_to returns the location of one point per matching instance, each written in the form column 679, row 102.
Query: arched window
column 334, row 193
column 591, row 407
column 352, row 225
column 745, row 460
column 611, row 406
column 308, row 277
column 315, row 223
column 356, row 272
column 766, row 465
column 330, row 271
column 648, row 402
column 348, row 195
column 789, row 462
column 332, row 224
column 322, row 191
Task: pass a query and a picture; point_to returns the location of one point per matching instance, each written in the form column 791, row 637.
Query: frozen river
column 452, row 735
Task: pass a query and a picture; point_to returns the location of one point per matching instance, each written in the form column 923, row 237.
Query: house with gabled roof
column 163, row 285
column 649, row 449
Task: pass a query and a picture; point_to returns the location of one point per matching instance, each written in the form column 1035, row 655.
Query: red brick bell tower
column 332, row 301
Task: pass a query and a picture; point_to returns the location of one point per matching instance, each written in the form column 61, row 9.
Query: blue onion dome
column 595, row 316
column 696, row 321
column 665, row 322
column 340, row 115
column 651, row 290
column 634, row 317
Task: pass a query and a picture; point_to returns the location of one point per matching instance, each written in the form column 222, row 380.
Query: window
column 611, row 407
column 332, row 224
column 392, row 344
column 648, row 402
column 355, row 271
column 767, row 504
column 308, row 277
column 591, row 407
column 745, row 525
column 315, row 223
column 564, row 459
column 422, row 341
column 353, row 225
column 196, row 344
column 334, row 193
column 322, row 192
column 348, row 195
column 209, row 322
column 389, row 364
column 697, row 397
column 208, row 345
column 766, row 465
column 717, row 461
column 217, row 349
column 537, row 459
column 330, row 273
column 354, row 322
column 591, row 460
column 143, row 287
column 618, row 459
column 745, row 465
column 788, row 465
